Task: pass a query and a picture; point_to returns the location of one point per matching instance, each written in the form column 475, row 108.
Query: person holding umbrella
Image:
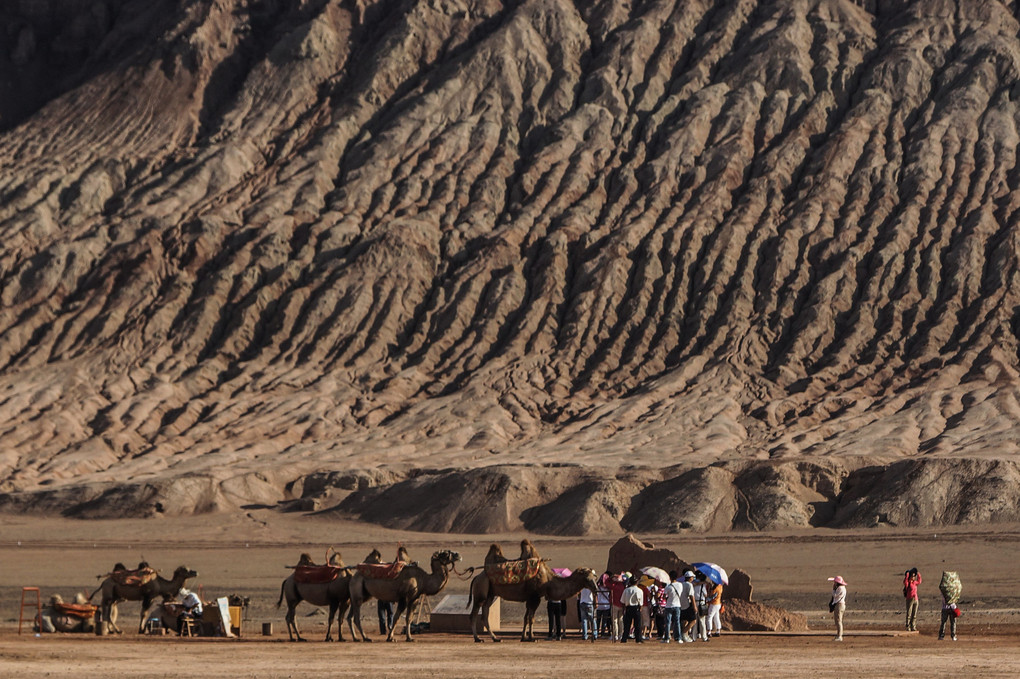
column 713, row 597
column 701, row 599
column 838, row 604
column 716, row 577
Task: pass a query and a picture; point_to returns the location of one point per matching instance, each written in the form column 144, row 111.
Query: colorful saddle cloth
column 513, row 572
column 381, row 571
column 951, row 587
column 134, row 578
column 317, row 575
column 83, row 611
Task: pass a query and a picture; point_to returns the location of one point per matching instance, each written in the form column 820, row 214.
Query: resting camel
column 545, row 584
column 335, row 594
column 159, row 587
column 410, row 585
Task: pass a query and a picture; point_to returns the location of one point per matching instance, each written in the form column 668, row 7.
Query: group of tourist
column 950, row 588
column 633, row 607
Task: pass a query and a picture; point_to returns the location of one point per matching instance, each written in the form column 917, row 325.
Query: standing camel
column 485, row 590
column 159, row 587
column 410, row 585
column 336, row 594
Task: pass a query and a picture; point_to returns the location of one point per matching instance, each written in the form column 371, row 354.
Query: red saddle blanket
column 83, row 611
column 513, row 572
column 381, row 571
column 317, row 575
column 134, row 578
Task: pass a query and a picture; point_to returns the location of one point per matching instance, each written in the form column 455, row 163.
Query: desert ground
column 246, row 555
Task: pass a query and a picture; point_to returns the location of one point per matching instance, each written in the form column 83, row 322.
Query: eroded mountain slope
column 249, row 243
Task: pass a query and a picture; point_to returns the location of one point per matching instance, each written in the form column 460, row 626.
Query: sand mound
column 734, row 264
column 752, row 616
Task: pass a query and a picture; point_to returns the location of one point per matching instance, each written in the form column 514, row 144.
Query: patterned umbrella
column 713, row 572
column 562, row 572
column 656, row 574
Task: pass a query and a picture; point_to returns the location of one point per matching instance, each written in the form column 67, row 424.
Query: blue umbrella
column 713, row 572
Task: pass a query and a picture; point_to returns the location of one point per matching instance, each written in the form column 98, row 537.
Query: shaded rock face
column 763, row 252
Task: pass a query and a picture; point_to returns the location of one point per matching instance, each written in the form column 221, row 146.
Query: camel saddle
column 172, row 609
column 83, row 611
column 513, row 572
column 381, row 571
column 135, row 578
column 317, row 575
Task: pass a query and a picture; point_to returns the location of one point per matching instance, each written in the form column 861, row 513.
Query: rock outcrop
column 573, row 267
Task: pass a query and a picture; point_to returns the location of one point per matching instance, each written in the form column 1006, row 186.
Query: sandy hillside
column 570, row 268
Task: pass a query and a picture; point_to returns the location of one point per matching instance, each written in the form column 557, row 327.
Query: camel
column 159, row 587
column 545, row 584
column 335, row 594
column 410, row 585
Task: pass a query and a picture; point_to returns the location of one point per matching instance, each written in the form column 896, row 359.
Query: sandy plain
column 246, row 554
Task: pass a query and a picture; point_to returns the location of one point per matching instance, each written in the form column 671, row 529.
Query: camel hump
column 495, row 555
column 402, row 555
column 134, row 578
column 528, row 550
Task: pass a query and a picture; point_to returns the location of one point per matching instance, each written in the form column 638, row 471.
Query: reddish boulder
column 630, row 554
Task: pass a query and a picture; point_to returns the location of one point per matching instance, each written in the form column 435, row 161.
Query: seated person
column 192, row 608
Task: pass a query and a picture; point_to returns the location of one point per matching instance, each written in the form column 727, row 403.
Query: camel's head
column 589, row 577
column 185, row 573
column 446, row 557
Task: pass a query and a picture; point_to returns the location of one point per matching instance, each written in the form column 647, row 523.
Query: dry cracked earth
column 469, row 266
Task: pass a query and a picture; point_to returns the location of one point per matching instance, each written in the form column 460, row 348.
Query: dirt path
column 455, row 656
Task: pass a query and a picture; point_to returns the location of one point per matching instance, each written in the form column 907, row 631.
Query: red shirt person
column 911, row 579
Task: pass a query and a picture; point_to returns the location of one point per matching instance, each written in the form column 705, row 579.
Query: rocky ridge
column 563, row 266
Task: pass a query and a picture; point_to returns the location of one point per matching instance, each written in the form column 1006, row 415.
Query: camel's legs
column 341, row 610
column 485, row 621
column 146, row 605
column 479, row 604
column 354, row 617
column 528, row 633
column 329, row 625
column 108, row 609
column 402, row 607
column 291, row 623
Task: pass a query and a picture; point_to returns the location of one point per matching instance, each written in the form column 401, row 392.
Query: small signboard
column 224, row 608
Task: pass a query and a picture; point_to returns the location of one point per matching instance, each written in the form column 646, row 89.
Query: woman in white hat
column 838, row 604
